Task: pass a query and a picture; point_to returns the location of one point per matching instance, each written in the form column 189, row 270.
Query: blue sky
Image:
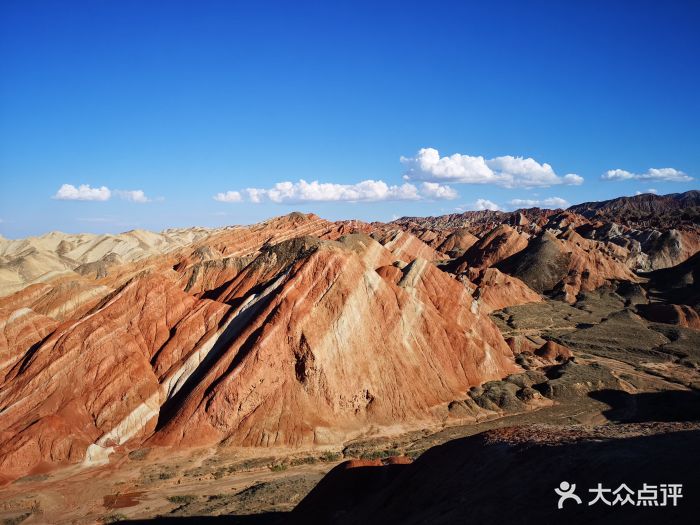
column 184, row 101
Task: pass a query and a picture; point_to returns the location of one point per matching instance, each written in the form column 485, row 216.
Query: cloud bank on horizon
column 436, row 176
column 427, row 167
column 428, row 176
column 315, row 191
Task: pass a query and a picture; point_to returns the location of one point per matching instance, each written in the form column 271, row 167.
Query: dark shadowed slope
column 509, row 476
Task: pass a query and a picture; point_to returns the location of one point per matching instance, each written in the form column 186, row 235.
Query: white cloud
column 229, row 196
column 650, row 190
column 555, row 202
column 550, row 202
column 255, row 195
column 302, row 191
column 506, row 171
column 661, row 174
column 433, row 190
column 68, row 192
column 617, row 175
column 571, row 179
column 315, row 191
column 132, row 195
column 524, row 202
column 485, row 204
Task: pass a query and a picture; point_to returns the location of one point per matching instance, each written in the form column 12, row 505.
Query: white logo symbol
column 565, row 492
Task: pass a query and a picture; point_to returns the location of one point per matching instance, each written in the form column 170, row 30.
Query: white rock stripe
column 98, row 453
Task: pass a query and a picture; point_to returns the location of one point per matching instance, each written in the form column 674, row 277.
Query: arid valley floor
column 428, row 370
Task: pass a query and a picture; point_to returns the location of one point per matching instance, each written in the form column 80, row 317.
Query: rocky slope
column 651, row 231
column 273, row 335
column 567, row 252
column 300, row 332
column 495, row 246
column 646, row 210
column 496, row 290
column 33, row 259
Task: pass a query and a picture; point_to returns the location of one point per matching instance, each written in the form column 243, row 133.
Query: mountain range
column 299, row 334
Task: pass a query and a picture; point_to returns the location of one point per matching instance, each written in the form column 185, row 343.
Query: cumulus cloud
column 485, row 204
column 433, row 190
column 660, row 174
column 650, row 190
column 550, row 202
column 229, row 196
column 524, row 202
column 572, row 179
column 84, row 192
column 302, row 191
column 132, row 195
column 315, row 191
column 555, row 202
column 68, row 192
column 506, row 171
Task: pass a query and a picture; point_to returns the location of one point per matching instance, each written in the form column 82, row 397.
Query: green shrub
column 114, row 518
column 330, row 456
column 182, row 499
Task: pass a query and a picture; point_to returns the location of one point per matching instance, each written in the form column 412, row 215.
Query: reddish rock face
column 458, row 241
column 592, row 265
column 20, row 330
column 646, row 232
column 497, row 290
column 293, row 332
column 405, row 246
column 567, row 264
column 554, row 352
column 360, row 463
column 678, row 314
column 497, row 245
column 398, row 460
column 672, row 247
column 344, row 347
column 520, row 344
column 99, row 379
column 390, row 273
column 255, row 337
